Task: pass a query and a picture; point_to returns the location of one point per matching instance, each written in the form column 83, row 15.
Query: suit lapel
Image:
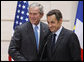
column 59, row 40
column 42, row 31
column 31, row 34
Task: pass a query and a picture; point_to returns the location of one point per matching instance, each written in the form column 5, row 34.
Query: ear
column 61, row 20
column 42, row 15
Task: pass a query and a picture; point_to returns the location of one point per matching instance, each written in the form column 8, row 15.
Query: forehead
column 52, row 17
column 33, row 9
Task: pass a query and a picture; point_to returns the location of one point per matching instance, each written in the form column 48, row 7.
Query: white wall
column 8, row 9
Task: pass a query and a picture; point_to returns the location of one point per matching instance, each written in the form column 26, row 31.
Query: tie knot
column 36, row 27
column 53, row 42
column 54, row 35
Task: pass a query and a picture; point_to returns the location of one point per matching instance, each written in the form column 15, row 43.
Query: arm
column 14, row 47
column 74, row 46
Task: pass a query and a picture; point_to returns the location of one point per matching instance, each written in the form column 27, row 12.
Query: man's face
column 34, row 15
column 53, row 24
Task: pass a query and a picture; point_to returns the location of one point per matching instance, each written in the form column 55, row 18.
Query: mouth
column 51, row 29
column 33, row 19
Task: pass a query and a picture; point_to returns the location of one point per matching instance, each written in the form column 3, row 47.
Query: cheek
column 54, row 27
column 37, row 17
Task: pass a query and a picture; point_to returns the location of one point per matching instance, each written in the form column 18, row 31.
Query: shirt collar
column 35, row 25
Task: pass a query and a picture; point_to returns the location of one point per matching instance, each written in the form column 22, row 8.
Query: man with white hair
column 27, row 42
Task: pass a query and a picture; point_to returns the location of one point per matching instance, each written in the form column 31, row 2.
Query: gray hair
column 37, row 5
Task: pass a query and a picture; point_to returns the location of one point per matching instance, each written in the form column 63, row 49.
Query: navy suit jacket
column 23, row 44
column 67, row 47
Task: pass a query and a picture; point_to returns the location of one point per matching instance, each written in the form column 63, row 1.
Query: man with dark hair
column 62, row 44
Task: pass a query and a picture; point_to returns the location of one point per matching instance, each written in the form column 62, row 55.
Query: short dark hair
column 55, row 12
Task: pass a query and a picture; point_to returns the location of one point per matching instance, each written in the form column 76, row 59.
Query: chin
column 51, row 30
column 33, row 22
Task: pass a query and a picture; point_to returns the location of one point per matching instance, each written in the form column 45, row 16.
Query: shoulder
column 68, row 32
column 45, row 28
column 23, row 26
column 44, row 25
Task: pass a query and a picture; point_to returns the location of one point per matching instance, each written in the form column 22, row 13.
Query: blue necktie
column 36, row 36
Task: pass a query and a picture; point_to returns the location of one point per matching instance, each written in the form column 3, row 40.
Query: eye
column 30, row 13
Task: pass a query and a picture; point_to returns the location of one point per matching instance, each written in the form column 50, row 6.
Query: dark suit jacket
column 67, row 47
column 23, row 44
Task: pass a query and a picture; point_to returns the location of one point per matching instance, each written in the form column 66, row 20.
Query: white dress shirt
column 57, row 33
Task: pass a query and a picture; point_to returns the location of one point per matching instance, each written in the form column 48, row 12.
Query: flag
column 21, row 13
column 21, row 16
column 78, row 25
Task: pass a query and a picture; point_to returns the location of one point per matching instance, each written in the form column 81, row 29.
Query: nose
column 31, row 15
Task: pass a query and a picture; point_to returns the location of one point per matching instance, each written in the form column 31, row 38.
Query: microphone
column 48, row 36
column 43, row 51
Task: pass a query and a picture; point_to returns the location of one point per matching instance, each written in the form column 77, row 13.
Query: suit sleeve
column 14, row 47
column 74, row 46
